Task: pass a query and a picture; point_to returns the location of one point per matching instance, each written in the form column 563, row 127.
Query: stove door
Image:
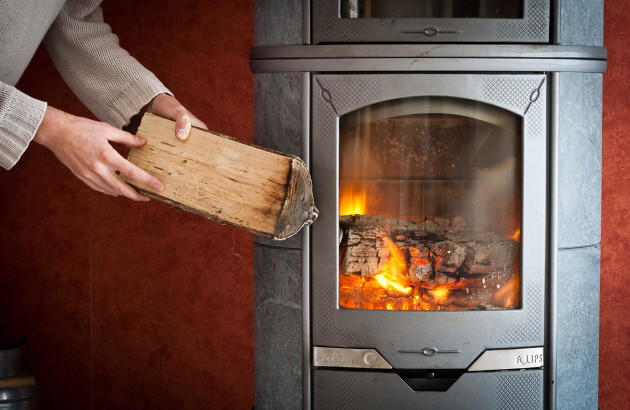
column 430, row 245
column 425, row 21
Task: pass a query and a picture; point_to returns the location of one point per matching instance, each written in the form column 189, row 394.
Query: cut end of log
column 299, row 208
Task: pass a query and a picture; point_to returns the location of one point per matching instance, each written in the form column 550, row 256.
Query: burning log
column 436, row 253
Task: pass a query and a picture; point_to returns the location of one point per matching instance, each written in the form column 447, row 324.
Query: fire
column 385, row 282
column 393, row 276
column 508, row 295
column 351, row 202
column 517, row 236
column 439, row 294
column 392, row 288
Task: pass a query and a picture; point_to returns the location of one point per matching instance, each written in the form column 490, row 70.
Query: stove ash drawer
column 349, row 390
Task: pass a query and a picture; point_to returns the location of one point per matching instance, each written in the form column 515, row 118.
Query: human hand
column 83, row 146
column 167, row 106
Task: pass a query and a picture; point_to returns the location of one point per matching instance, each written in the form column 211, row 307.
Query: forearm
column 111, row 83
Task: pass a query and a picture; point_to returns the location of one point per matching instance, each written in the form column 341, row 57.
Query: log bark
column 262, row 191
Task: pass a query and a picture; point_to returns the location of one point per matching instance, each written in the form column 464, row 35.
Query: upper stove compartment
column 431, row 21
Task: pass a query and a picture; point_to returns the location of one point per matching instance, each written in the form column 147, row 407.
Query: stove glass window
column 430, row 206
column 505, row 9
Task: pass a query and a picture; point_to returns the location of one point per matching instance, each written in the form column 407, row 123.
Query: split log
column 436, row 252
column 231, row 182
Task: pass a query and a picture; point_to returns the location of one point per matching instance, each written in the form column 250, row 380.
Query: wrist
column 50, row 126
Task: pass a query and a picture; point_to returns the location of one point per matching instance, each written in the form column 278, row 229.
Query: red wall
column 614, row 340
column 133, row 305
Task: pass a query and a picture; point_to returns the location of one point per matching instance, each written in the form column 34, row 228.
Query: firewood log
column 242, row 185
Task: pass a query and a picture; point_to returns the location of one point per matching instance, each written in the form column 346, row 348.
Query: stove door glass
column 430, row 206
column 506, row 9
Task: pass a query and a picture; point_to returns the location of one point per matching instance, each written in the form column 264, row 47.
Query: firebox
column 456, row 167
column 428, row 255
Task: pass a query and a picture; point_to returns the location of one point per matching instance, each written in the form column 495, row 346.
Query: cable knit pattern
column 111, row 83
column 20, row 116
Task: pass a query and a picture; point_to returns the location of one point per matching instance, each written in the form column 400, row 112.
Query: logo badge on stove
column 530, row 359
column 431, row 351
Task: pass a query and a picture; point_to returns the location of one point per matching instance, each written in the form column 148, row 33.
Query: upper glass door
column 509, row 9
column 429, row 21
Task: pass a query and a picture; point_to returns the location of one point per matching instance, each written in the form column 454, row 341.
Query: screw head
column 370, row 359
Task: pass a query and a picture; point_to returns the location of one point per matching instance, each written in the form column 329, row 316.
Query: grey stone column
column 278, row 265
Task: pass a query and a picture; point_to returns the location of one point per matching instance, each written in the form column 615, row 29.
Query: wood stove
column 455, row 260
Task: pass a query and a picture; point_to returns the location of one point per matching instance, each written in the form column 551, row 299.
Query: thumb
column 183, row 125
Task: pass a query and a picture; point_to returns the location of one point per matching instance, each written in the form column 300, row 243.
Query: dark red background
column 614, row 337
column 135, row 305
column 132, row 305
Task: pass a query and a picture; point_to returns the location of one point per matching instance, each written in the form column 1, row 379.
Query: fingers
column 167, row 106
column 113, row 161
column 103, row 178
column 138, row 174
column 124, row 138
column 114, row 182
column 101, row 174
column 183, row 125
column 83, row 146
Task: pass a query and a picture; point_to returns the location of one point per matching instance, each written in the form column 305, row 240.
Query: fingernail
column 158, row 187
column 140, row 140
column 181, row 133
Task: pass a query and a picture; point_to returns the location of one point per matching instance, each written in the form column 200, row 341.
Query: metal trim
column 351, row 358
column 422, row 51
column 556, row 18
column 509, row 359
column 306, row 255
column 552, row 261
column 516, row 65
column 306, row 22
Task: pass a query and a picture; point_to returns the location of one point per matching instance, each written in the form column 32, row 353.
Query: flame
column 391, row 289
column 517, row 235
column 508, row 295
column 439, row 294
column 351, row 202
column 393, row 275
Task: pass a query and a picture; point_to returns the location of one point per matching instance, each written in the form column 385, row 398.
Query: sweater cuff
column 18, row 125
column 133, row 99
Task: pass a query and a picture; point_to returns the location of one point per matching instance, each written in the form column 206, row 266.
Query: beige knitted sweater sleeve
column 111, row 83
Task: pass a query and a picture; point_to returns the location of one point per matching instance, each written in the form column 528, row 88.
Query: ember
column 393, row 264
